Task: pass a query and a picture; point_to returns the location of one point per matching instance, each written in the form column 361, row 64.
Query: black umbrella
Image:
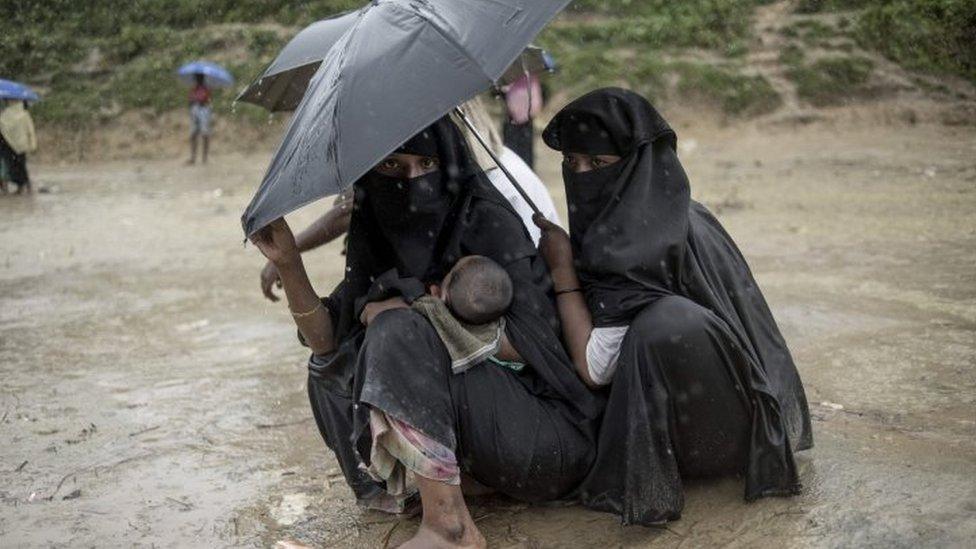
column 282, row 85
column 400, row 65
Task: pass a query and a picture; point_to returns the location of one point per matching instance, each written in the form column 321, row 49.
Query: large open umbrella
column 400, row 66
column 214, row 76
column 17, row 91
column 283, row 84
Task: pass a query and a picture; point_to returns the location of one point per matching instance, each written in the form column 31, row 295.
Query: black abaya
column 704, row 384
column 530, row 434
column 519, row 138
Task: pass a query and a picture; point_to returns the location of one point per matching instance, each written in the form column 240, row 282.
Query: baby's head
column 477, row 290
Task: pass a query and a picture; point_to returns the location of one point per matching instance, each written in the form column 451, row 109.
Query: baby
column 476, row 290
column 467, row 310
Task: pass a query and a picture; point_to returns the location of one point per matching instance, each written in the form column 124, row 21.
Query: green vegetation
column 721, row 25
column 737, row 93
column 934, row 36
column 818, row 6
column 831, row 80
column 650, row 74
column 792, row 56
column 96, row 59
column 811, row 32
column 635, row 43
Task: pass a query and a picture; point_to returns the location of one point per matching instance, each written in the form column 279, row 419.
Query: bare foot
column 462, row 536
column 447, row 523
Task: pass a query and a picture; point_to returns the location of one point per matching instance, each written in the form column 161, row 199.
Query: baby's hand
column 554, row 245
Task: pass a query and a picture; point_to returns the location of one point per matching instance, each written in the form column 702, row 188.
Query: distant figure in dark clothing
column 17, row 138
column 523, row 100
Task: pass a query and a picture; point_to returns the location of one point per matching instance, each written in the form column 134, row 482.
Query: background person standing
column 200, row 118
column 523, row 101
column 17, row 138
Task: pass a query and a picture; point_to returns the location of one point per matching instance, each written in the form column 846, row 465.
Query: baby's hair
column 480, row 290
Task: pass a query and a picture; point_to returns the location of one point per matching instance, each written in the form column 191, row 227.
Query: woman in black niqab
column 704, row 384
column 528, row 434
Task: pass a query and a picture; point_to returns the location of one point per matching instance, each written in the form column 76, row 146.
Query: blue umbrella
column 17, row 91
column 214, row 75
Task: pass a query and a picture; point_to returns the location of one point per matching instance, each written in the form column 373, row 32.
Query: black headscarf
column 405, row 224
column 629, row 220
column 409, row 213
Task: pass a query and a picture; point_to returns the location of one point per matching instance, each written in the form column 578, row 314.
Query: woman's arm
column 333, row 224
column 577, row 324
column 277, row 243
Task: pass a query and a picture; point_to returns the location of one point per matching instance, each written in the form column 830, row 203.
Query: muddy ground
column 152, row 397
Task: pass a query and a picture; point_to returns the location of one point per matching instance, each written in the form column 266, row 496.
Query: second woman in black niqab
column 704, row 383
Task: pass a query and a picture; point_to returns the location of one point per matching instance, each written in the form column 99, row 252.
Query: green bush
column 812, row 32
column 714, row 24
column 935, row 36
column 738, row 94
column 818, row 6
column 792, row 56
column 831, row 80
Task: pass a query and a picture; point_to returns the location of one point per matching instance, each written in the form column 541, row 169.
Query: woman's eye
column 390, row 164
column 569, row 161
column 598, row 161
column 429, row 162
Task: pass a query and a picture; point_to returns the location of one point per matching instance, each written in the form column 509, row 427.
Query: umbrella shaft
column 498, row 162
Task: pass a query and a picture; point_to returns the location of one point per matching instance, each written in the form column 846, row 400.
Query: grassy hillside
column 95, row 60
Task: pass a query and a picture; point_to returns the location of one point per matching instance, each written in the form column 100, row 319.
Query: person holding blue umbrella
column 17, row 136
column 202, row 76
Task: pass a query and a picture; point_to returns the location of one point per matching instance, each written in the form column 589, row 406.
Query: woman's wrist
column 289, row 262
column 564, row 278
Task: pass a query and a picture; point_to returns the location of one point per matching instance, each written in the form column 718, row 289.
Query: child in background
column 200, row 115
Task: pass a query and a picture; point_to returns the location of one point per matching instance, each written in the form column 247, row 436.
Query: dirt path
column 152, row 397
column 764, row 57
